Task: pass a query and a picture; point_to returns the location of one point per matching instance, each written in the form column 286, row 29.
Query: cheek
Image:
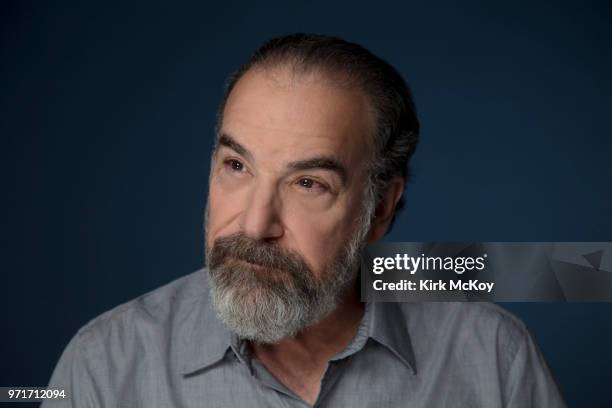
column 223, row 211
column 319, row 238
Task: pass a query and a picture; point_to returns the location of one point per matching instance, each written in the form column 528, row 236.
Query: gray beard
column 263, row 293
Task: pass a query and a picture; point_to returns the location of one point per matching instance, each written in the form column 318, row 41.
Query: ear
column 386, row 208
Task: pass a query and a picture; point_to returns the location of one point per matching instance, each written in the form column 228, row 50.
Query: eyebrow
column 323, row 162
column 228, row 141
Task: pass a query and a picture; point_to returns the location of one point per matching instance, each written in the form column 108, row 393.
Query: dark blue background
column 107, row 117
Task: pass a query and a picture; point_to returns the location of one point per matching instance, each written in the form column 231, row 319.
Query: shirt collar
column 386, row 324
column 203, row 338
column 389, row 326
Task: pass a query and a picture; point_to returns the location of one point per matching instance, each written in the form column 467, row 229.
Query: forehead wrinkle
column 289, row 74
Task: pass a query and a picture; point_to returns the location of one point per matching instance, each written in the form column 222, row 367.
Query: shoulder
column 150, row 323
column 154, row 307
column 134, row 344
column 472, row 327
column 462, row 315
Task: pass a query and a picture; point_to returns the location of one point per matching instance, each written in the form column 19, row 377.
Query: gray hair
column 397, row 127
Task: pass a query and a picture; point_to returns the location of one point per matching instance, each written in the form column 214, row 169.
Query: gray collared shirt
column 168, row 349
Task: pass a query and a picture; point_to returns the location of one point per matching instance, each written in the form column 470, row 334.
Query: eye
column 312, row 185
column 234, row 165
column 308, row 183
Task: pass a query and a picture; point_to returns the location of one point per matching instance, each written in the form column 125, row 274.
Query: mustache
column 240, row 247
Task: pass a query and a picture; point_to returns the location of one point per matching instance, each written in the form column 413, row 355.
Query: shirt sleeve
column 74, row 374
column 529, row 382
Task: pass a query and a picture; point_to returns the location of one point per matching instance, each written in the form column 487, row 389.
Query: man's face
column 289, row 174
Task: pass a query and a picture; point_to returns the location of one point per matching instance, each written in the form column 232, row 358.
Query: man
column 313, row 144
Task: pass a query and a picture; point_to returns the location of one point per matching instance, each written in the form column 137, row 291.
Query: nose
column 261, row 219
